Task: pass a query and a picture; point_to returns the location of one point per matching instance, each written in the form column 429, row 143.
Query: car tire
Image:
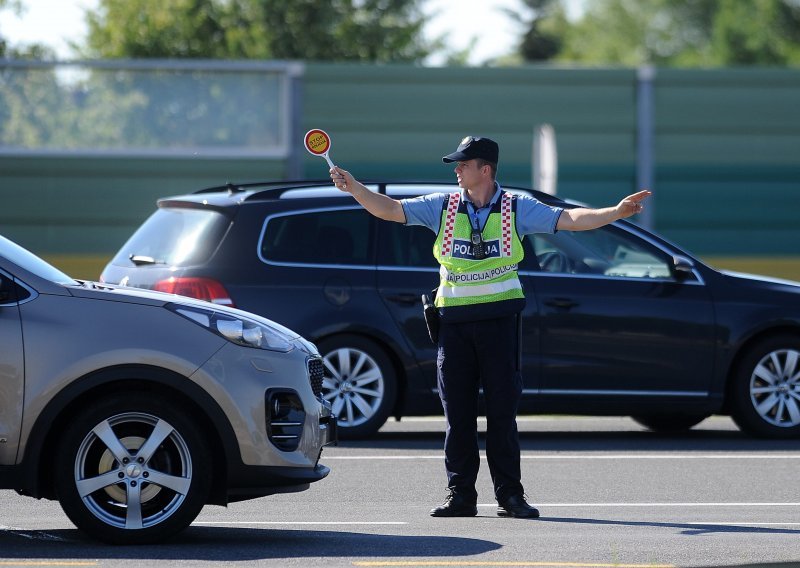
column 669, row 423
column 99, row 472
column 765, row 393
column 360, row 383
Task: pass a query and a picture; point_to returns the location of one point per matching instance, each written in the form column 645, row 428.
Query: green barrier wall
column 726, row 151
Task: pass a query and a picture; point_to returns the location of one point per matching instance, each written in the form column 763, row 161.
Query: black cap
column 472, row 148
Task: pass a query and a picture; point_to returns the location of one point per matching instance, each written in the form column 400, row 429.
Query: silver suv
column 134, row 409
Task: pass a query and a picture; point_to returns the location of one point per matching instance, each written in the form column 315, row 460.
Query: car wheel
column 360, row 383
column 669, row 422
column 131, row 469
column 766, row 389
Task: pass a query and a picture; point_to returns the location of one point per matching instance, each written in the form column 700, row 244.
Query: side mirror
column 682, row 267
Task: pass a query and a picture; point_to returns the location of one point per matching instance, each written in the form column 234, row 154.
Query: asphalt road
column 610, row 493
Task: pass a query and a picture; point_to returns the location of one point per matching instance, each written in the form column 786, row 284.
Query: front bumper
column 249, row 482
column 254, row 482
column 328, row 425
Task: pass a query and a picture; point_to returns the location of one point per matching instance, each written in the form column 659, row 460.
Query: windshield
column 32, row 263
column 175, row 237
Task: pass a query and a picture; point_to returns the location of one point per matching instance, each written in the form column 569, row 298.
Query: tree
column 765, row 32
column 153, row 28
column 329, row 30
column 546, row 28
column 622, row 32
column 344, row 30
column 677, row 33
column 32, row 51
column 3, row 5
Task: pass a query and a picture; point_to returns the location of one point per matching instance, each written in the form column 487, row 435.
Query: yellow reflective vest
column 477, row 289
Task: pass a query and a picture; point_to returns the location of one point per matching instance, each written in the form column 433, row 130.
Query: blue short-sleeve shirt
column 533, row 216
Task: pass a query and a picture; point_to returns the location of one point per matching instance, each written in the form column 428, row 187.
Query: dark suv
column 618, row 320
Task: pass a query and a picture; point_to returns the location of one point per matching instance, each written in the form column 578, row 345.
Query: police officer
column 479, row 298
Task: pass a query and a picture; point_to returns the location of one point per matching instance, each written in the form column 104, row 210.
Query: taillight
column 200, row 288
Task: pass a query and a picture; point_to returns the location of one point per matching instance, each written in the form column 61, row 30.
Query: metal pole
column 294, row 165
column 545, row 159
column 645, row 126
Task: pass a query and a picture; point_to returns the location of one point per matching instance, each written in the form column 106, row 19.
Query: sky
column 57, row 22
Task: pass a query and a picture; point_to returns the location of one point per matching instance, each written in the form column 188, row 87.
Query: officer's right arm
column 382, row 206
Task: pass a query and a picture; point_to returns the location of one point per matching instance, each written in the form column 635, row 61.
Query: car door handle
column 406, row 299
column 561, row 303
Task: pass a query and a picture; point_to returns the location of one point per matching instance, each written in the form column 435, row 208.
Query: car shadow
column 409, row 440
column 237, row 544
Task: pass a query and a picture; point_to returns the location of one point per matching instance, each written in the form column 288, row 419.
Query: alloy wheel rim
column 775, row 388
column 133, row 470
column 353, row 384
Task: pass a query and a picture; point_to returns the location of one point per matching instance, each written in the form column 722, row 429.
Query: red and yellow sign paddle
column 319, row 143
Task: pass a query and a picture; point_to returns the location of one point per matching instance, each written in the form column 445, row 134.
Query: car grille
column 316, row 372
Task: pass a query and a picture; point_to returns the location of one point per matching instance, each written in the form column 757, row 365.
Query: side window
column 10, row 292
column 319, row 237
column 401, row 245
column 607, row 251
column 6, row 290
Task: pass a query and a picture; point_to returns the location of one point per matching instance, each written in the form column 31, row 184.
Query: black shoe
column 516, row 506
column 456, row 505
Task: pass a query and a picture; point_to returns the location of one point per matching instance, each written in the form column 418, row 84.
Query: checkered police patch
column 450, row 223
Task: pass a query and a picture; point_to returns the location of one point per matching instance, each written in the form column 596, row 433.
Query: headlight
column 238, row 329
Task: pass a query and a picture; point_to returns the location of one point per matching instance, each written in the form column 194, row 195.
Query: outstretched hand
column 633, row 204
column 341, row 178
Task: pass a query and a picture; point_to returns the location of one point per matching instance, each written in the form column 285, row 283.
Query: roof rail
column 232, row 187
column 277, row 188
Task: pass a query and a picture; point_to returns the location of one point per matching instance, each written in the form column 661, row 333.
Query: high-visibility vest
column 467, row 284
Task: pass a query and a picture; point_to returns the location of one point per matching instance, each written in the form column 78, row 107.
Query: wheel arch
column 135, row 379
column 744, row 349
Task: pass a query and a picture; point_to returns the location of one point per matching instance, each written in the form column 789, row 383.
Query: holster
column 431, row 314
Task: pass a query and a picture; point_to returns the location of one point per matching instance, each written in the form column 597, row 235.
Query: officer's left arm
column 584, row 219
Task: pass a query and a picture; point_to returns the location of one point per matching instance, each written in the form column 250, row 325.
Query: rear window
column 336, row 236
column 175, row 237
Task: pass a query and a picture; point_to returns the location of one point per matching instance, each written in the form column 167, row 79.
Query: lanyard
column 472, row 213
column 478, row 248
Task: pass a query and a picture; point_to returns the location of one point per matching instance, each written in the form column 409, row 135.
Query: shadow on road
column 236, row 544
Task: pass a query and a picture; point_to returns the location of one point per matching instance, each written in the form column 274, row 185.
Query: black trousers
column 472, row 355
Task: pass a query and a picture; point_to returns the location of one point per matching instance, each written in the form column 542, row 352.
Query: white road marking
column 755, row 524
column 586, row 457
column 541, row 418
column 299, row 523
column 588, row 505
column 486, row 563
column 47, row 563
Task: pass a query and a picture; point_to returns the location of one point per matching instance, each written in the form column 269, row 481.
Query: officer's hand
column 632, row 204
column 341, row 178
